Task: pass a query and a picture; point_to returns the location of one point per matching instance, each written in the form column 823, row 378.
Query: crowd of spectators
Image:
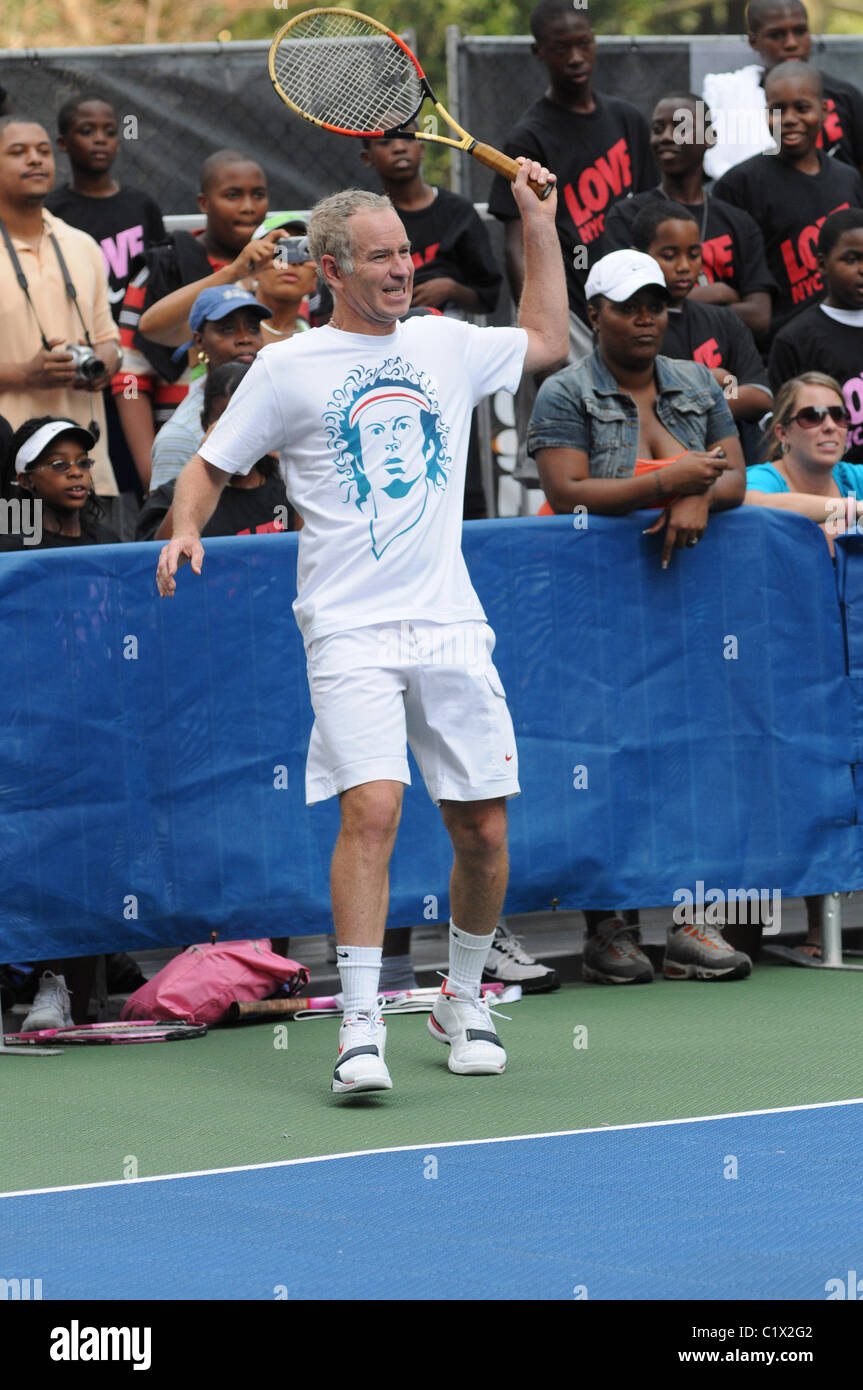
column 691, row 303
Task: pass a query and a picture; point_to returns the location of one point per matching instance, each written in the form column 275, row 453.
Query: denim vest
column 582, row 407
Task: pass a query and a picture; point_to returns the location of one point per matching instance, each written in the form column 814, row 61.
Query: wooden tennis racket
column 396, row 1001
column 347, row 73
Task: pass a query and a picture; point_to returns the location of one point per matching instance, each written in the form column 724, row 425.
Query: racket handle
column 265, row 1008
column 502, row 164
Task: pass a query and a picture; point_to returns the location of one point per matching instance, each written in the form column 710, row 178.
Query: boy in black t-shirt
column 828, row 337
column 706, row 333
column 778, row 31
column 155, row 378
column 122, row 220
column 790, row 194
column 454, row 265
column 734, row 267
column 597, row 146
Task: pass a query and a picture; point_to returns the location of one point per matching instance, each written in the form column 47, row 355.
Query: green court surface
column 784, row 1037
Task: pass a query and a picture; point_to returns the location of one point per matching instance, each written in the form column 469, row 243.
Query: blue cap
column 220, row 300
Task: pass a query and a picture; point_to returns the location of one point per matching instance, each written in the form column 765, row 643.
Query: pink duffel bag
column 205, row 980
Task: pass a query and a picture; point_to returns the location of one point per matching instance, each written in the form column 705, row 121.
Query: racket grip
column 264, row 1008
column 502, row 164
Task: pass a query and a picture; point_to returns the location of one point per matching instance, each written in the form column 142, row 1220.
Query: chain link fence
column 179, row 103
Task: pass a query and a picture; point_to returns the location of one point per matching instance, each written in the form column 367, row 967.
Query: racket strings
column 344, row 72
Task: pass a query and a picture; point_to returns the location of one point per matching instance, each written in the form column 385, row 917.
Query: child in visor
column 48, row 469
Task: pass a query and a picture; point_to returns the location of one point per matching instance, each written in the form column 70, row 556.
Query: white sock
column 467, row 957
column 359, row 971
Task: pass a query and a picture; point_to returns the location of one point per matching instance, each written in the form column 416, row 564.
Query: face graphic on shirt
column 390, row 444
column 394, row 447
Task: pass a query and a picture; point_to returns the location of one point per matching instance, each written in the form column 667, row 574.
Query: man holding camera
column 59, row 341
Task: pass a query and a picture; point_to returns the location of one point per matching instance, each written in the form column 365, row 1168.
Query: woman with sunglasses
column 806, row 473
column 48, row 465
column 805, row 470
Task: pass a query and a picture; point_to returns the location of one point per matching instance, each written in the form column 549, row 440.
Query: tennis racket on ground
column 404, row 1001
column 347, row 73
column 89, row 1034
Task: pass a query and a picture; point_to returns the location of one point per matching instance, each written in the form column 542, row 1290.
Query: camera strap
column 67, row 280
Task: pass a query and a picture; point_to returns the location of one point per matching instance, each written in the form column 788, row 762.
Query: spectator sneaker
column 52, row 1006
column 702, row 953
column 510, row 963
column 361, row 1065
column 613, row 957
column 464, row 1022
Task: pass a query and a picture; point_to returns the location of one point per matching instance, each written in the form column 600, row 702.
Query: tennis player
column 371, row 417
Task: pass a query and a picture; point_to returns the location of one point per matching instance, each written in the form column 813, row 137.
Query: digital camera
column 292, row 250
column 88, row 367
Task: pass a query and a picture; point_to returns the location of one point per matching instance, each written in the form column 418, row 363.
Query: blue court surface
column 760, row 1205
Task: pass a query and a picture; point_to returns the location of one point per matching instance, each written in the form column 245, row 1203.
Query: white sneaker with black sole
column 509, row 963
column 52, row 1007
column 464, row 1022
column 362, row 1044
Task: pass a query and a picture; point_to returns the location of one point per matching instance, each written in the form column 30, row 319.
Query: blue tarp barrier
column 693, row 724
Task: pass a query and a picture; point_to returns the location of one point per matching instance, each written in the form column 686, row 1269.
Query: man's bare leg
column 359, row 885
column 480, row 868
column 359, row 873
column 477, row 888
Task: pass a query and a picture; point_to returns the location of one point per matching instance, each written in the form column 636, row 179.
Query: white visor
column 32, row 448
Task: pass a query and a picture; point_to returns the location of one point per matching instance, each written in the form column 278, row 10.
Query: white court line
column 430, row 1148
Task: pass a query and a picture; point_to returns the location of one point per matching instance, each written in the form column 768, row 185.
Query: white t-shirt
column 372, row 435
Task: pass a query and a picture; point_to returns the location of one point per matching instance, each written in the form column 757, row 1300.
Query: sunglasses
column 63, row 465
column 813, row 415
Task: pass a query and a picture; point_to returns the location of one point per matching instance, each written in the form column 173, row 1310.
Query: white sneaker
column 465, row 1023
column 52, row 1006
column 361, row 1065
column 510, row 963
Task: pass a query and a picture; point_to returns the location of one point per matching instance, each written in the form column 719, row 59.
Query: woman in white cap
column 626, row 428
column 622, row 430
column 48, row 471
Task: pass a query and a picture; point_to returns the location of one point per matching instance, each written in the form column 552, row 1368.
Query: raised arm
column 544, row 308
column 167, row 320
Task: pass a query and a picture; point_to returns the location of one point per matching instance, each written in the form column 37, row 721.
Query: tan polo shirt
column 19, row 332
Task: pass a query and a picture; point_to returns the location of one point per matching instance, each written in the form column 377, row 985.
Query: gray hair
column 329, row 224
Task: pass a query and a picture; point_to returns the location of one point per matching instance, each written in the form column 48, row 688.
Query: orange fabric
column 649, row 465
column 641, row 466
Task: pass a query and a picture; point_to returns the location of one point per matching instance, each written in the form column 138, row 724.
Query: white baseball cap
column 621, row 273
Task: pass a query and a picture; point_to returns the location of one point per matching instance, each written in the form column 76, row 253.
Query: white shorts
column 430, row 685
